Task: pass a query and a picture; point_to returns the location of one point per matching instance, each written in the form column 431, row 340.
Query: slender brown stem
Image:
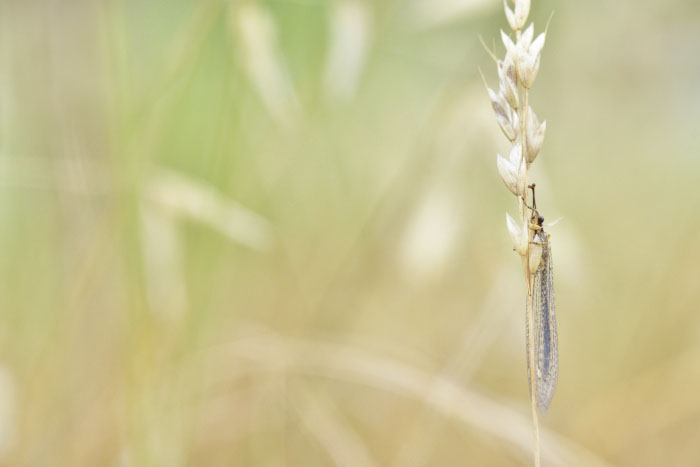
column 528, row 281
column 529, row 312
column 531, row 345
column 531, row 370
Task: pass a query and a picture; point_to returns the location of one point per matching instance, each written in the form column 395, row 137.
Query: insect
column 544, row 312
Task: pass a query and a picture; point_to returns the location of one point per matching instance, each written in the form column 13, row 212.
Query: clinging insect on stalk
column 516, row 75
column 544, row 310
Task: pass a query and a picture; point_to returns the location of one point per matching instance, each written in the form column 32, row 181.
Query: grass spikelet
column 516, row 75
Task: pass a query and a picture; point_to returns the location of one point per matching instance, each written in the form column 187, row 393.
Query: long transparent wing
column 545, row 327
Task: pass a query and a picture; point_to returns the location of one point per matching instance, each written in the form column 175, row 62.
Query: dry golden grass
column 224, row 244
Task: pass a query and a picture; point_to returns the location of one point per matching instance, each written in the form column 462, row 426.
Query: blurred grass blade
column 446, row 396
column 255, row 33
column 339, row 439
column 350, row 29
column 430, row 235
column 164, row 266
column 8, row 403
column 183, row 197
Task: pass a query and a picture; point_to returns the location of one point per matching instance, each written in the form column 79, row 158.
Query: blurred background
column 271, row 233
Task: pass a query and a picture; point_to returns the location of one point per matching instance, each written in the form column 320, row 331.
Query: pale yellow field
column 272, row 234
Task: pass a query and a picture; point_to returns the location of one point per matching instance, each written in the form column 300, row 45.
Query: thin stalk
column 528, row 281
column 531, row 370
column 531, row 340
column 519, row 56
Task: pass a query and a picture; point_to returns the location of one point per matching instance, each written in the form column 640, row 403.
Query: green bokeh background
column 218, row 249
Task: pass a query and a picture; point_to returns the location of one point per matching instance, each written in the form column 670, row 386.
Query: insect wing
column 545, row 327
